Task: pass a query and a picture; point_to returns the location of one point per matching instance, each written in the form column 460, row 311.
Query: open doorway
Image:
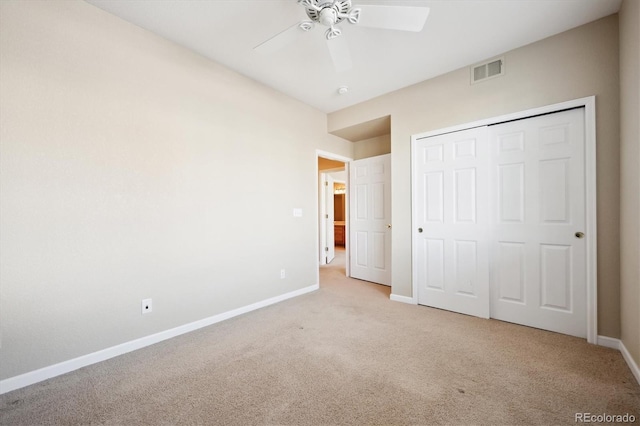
column 339, row 212
column 333, row 208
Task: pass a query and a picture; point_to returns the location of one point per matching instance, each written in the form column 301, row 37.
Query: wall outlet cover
column 147, row 306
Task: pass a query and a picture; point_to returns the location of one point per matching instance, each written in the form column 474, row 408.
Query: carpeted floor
column 345, row 354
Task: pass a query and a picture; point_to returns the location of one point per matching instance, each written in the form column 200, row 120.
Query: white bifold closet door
column 500, row 216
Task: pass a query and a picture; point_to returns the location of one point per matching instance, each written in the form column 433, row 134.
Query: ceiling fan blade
column 339, row 50
column 280, row 40
column 402, row 18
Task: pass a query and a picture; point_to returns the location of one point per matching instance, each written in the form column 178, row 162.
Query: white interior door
column 370, row 219
column 330, row 248
column 451, row 221
column 539, row 264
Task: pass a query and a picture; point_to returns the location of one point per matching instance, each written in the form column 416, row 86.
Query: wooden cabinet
column 338, row 207
column 339, row 235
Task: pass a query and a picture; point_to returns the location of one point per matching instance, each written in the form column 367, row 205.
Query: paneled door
column 370, row 219
column 538, row 243
column 451, row 220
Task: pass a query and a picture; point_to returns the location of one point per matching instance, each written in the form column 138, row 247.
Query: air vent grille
column 487, row 70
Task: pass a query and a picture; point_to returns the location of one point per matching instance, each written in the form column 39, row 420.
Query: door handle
column 420, row 230
column 579, row 234
column 389, row 226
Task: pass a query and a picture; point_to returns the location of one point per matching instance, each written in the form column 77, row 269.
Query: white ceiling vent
column 487, row 70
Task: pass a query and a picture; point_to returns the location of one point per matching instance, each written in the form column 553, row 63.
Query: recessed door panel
column 465, row 195
column 362, row 248
column 379, row 249
column 511, row 192
column 435, row 264
column 555, row 277
column 554, row 191
column 465, row 149
column 433, row 154
column 378, row 169
column 466, row 267
column 378, row 200
column 554, row 136
column 511, row 142
column 361, row 205
column 433, row 207
column 509, row 266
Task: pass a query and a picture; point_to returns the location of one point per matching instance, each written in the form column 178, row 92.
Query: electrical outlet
column 283, row 273
column 147, row 306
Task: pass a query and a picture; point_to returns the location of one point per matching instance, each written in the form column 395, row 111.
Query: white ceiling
column 458, row 33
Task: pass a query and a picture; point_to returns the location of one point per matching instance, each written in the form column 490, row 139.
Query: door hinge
column 326, row 184
column 326, row 216
column 326, row 249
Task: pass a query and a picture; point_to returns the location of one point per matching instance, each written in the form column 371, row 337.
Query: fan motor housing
column 340, row 9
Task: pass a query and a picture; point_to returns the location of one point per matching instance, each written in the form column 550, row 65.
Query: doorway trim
column 589, row 104
column 346, row 160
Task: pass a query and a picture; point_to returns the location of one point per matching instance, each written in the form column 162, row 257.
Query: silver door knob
column 579, row 234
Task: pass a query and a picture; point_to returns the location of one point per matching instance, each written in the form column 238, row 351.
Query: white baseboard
column 609, row 342
column 630, row 361
column 26, row 379
column 403, row 299
column 619, row 345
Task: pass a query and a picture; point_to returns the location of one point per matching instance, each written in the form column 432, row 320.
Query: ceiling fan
column 330, row 13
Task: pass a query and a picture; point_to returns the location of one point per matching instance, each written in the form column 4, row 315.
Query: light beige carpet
column 345, row 354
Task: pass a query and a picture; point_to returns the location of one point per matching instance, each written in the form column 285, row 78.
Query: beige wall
column 575, row 64
column 133, row 168
column 373, row 147
column 630, row 175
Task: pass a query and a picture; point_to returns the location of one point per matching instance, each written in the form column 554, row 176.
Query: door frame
column 589, row 104
column 346, row 161
column 324, row 214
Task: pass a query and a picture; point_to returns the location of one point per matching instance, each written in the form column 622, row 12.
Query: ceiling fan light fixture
column 307, row 25
column 308, row 3
column 354, row 15
column 332, row 33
